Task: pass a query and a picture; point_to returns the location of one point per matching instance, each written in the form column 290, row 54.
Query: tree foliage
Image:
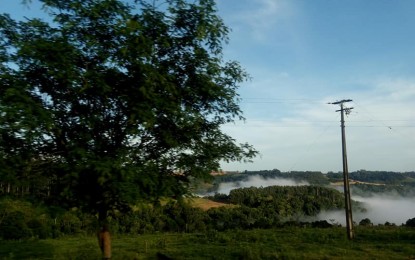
column 410, row 222
column 286, row 201
column 366, row 222
column 115, row 101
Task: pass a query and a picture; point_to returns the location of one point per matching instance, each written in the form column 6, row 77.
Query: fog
column 380, row 209
column 257, row 181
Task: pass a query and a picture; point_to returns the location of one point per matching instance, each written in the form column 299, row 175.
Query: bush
column 321, row 224
column 70, row 223
column 40, row 229
column 366, row 222
column 14, row 226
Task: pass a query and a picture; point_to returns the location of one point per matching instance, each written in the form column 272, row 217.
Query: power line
column 390, row 127
column 277, row 100
column 326, row 121
column 308, row 124
column 282, row 99
column 310, row 145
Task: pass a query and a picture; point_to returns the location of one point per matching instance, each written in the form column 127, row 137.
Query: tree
column 365, row 222
column 119, row 100
column 410, row 222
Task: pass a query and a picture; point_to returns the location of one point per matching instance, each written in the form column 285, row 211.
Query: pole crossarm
column 341, row 101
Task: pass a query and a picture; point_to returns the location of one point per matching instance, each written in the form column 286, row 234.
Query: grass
column 285, row 243
column 206, row 204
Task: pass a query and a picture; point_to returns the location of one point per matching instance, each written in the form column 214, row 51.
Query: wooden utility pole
column 348, row 202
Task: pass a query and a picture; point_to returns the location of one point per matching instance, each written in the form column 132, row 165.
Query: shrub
column 70, row 223
column 14, row 226
column 321, row 224
column 365, row 222
column 40, row 229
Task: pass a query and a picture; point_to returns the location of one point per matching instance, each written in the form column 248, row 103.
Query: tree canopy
column 112, row 101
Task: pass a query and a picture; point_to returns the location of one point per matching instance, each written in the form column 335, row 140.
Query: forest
column 25, row 215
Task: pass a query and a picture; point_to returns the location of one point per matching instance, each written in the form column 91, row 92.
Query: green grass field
column 284, row 243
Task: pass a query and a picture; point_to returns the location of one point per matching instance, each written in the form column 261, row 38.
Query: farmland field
column 380, row 242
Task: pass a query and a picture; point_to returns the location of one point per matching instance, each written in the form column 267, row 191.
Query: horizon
column 293, row 171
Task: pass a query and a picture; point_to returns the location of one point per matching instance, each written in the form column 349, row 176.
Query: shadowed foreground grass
column 284, row 243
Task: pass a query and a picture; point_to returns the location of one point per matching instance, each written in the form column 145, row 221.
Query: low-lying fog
column 257, row 181
column 381, row 208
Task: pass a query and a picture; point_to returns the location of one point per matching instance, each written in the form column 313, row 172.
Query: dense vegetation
column 25, row 215
column 248, row 208
column 162, row 230
column 252, row 208
column 287, row 201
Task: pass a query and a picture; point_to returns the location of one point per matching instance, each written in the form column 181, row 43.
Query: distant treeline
column 367, row 190
column 401, row 183
column 312, row 177
column 382, row 177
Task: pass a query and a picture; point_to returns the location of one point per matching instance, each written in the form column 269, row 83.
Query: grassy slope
column 287, row 243
column 206, row 204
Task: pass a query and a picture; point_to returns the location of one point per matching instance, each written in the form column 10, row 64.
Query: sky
column 302, row 55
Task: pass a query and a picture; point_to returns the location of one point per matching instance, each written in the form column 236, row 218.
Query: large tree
column 117, row 100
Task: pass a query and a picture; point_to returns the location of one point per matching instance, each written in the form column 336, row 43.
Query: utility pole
column 348, row 202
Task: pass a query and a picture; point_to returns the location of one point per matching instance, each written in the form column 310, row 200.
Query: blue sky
column 302, row 54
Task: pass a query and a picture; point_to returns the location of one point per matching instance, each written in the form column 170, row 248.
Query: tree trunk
column 104, row 237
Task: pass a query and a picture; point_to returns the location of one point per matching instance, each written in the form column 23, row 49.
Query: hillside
column 206, row 204
column 362, row 182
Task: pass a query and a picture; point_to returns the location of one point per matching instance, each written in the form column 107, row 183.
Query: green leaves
column 121, row 100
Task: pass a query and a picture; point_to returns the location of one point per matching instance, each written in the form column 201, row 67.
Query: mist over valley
column 383, row 197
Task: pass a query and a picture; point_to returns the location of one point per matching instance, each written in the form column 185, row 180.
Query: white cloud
column 259, row 17
column 305, row 134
